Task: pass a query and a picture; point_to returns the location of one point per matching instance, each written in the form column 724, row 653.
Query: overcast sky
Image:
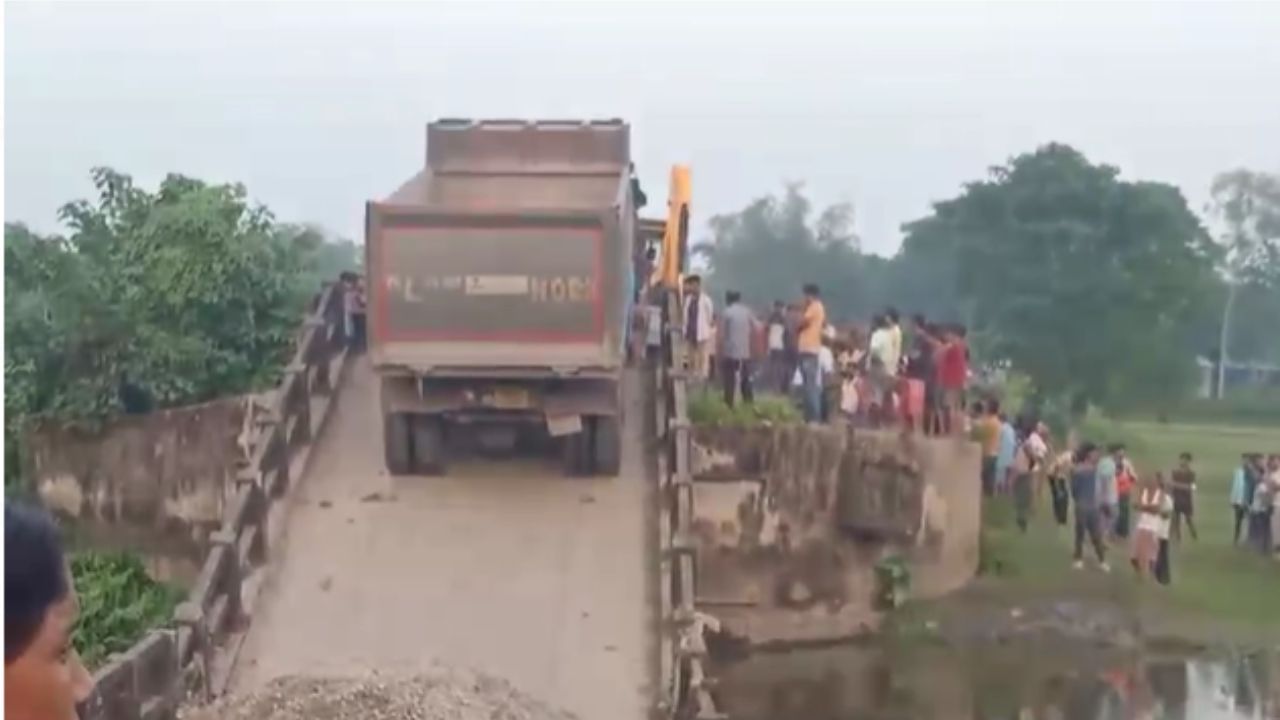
column 319, row 106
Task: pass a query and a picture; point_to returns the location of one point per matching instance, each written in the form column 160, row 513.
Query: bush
column 119, row 603
column 708, row 407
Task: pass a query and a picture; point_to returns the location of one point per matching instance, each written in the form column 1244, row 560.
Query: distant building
column 1237, row 375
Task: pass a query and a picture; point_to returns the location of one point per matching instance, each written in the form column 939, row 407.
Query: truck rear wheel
column 576, row 449
column 396, row 442
column 606, row 445
column 428, row 445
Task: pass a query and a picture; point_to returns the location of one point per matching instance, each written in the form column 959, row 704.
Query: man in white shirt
column 699, row 326
column 1028, row 459
column 777, row 368
column 884, row 364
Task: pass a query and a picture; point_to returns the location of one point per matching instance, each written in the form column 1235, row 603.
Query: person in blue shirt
column 1240, row 495
column 1004, row 458
column 1084, row 495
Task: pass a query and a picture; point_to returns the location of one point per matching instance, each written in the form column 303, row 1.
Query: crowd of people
column 868, row 376
column 860, row 375
column 1099, row 491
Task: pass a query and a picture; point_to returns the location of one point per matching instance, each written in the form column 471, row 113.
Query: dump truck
column 500, row 279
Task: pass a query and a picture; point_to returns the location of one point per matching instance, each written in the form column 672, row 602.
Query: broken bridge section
column 505, row 567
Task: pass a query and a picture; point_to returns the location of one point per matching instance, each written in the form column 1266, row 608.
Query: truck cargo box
column 511, row 250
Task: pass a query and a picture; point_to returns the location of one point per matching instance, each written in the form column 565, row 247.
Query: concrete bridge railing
column 685, row 684
column 151, row 679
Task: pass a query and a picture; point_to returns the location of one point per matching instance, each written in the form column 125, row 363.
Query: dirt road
column 506, row 567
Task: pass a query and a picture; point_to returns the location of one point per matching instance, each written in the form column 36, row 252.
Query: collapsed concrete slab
column 789, row 523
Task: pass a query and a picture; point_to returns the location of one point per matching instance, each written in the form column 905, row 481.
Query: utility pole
column 1222, row 339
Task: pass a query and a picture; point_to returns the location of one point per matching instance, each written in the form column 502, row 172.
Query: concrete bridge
column 507, row 567
column 313, row 561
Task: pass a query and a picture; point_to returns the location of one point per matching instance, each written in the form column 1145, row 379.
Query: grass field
column 1217, row 589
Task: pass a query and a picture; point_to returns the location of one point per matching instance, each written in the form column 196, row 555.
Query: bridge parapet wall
column 790, row 522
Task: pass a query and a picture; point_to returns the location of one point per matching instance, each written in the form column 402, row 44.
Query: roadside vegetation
column 151, row 299
column 707, row 407
column 119, row 603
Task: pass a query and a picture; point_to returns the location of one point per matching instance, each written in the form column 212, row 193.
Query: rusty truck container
column 498, row 284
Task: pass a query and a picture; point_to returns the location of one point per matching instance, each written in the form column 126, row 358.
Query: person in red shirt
column 953, row 375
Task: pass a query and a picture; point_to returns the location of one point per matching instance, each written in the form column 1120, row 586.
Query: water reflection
column 872, row 683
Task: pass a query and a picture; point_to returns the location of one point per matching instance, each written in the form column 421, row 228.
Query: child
column 1164, row 562
column 1146, row 539
column 1126, row 478
column 1184, row 487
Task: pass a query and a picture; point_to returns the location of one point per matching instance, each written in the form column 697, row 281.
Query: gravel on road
column 443, row 695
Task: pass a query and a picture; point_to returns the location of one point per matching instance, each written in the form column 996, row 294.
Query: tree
column 153, row 299
column 771, row 248
column 1247, row 204
column 1089, row 284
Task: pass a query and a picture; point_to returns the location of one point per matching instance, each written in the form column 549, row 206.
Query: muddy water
column 1032, row 683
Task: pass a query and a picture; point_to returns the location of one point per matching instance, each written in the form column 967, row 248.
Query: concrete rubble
column 438, row 695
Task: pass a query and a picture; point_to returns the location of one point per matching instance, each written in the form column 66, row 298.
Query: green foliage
column 153, row 300
column 1089, row 284
column 770, row 249
column 893, row 582
column 707, row 407
column 119, row 603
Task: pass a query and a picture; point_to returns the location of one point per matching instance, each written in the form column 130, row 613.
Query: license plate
column 509, row 398
column 564, row 425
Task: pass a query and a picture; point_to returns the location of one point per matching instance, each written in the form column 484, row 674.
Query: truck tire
column 606, row 445
column 396, row 443
column 576, row 449
column 429, row 456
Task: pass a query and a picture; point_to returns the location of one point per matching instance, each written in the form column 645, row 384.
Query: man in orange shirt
column 809, row 341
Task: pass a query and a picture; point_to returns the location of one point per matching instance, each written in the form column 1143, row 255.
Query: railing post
column 190, row 616
column 301, row 399
column 233, row 579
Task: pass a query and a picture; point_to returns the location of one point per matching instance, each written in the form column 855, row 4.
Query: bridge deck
column 505, row 567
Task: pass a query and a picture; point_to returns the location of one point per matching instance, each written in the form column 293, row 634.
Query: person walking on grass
column 1183, row 489
column 1085, row 496
column 987, row 430
column 1240, row 496
column 1126, row 479
column 1027, row 461
column 1004, row 456
column 1150, row 507
column 1164, row 556
column 1264, row 498
column 1108, row 498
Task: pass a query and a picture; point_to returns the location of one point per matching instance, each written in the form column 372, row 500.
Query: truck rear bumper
column 496, row 398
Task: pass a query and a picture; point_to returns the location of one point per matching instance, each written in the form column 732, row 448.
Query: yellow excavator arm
column 673, row 256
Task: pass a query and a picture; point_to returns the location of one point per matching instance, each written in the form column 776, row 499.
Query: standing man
column 895, row 337
column 698, row 327
column 1004, row 455
column 813, row 320
column 776, row 347
column 1084, row 494
column 1028, row 460
column 988, row 436
column 1108, row 495
column 1184, row 489
column 737, row 326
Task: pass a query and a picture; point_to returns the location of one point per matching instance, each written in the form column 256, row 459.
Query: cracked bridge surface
column 506, row 567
